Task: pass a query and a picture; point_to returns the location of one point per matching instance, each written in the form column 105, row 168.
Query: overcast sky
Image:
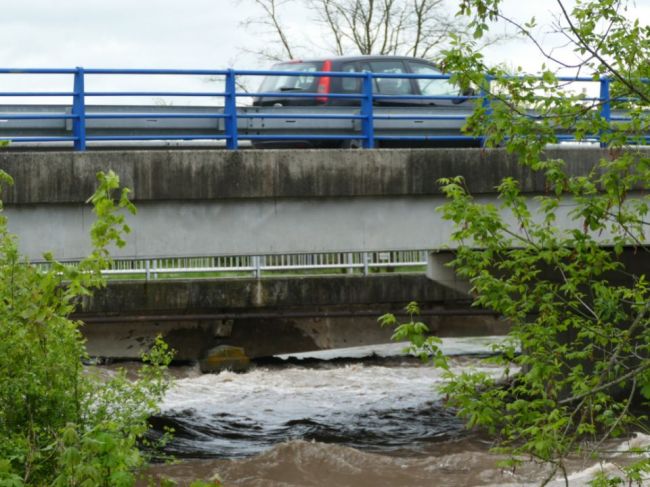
column 202, row 34
column 126, row 33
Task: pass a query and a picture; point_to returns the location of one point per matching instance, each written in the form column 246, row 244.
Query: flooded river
column 360, row 417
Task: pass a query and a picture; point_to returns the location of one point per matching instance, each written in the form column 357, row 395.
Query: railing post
column 605, row 107
column 365, row 263
column 486, row 103
column 79, row 111
column 368, row 121
column 350, row 259
column 257, row 263
column 230, row 111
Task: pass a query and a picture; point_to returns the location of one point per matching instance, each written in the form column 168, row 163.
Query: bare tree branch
column 271, row 19
column 328, row 16
column 418, row 28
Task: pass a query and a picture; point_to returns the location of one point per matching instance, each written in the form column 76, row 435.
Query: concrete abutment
column 269, row 316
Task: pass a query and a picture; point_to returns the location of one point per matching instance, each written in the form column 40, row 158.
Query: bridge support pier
column 269, row 316
column 439, row 271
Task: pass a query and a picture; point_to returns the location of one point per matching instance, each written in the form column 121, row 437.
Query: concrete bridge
column 197, row 203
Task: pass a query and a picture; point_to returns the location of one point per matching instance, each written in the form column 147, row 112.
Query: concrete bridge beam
column 195, row 203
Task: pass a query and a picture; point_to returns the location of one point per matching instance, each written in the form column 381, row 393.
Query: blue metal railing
column 367, row 97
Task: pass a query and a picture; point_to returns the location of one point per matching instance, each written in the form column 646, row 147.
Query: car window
column 432, row 87
column 350, row 85
column 272, row 84
column 364, row 66
column 390, row 86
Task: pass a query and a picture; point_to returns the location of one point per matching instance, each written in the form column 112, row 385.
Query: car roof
column 369, row 57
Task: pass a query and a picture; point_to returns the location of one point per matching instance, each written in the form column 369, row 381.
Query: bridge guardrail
column 234, row 123
column 257, row 265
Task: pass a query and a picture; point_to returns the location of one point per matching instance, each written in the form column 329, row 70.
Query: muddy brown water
column 369, row 418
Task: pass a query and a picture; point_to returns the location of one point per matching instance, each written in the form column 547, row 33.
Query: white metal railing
column 256, row 265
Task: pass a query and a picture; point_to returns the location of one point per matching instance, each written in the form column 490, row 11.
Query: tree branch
column 614, row 72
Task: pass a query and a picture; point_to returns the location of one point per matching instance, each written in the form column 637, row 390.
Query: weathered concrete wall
column 164, row 175
column 238, row 227
column 194, row 203
column 202, row 295
column 268, row 316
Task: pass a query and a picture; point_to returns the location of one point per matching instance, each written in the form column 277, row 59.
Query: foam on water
column 449, row 346
column 373, row 407
column 376, row 407
column 359, row 425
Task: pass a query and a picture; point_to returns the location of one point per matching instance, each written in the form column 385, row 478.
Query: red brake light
column 324, row 83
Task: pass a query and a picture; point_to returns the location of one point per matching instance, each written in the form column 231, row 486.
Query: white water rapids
column 355, row 422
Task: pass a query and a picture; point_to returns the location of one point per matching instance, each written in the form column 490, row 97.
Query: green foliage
column 605, row 44
column 421, row 344
column 59, row 424
column 580, row 316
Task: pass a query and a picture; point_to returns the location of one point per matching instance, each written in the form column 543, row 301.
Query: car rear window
column 432, row 87
column 273, row 84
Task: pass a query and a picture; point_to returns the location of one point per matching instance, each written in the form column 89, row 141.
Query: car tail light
column 324, row 82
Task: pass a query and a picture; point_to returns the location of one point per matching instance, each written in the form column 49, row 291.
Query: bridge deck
column 198, row 203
